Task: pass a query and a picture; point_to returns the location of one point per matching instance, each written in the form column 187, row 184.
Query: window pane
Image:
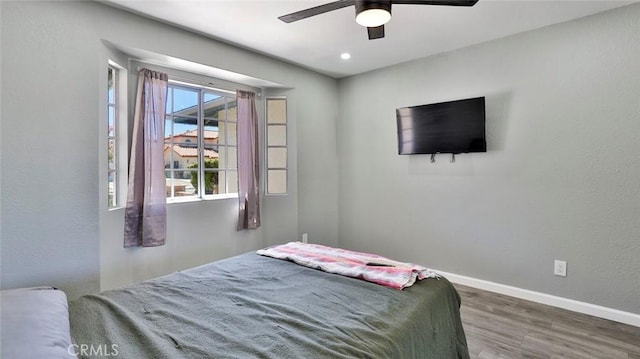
column 111, row 183
column 277, row 157
column 276, row 135
column 112, row 154
column 232, row 182
column 231, row 133
column 167, row 156
column 168, row 128
column 169, row 105
column 180, row 157
column 209, row 97
column 232, row 158
column 214, row 106
column 232, row 110
column 181, row 187
column 222, row 182
column 168, row 182
column 212, row 156
column 276, row 111
column 185, row 120
column 211, row 179
column 112, row 86
column 182, row 175
column 191, row 163
column 112, row 121
column 211, row 135
column 211, row 162
column 185, row 102
column 277, row 181
column 185, row 128
column 211, row 124
column 221, row 133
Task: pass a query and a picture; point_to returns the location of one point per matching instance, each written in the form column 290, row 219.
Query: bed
column 251, row 306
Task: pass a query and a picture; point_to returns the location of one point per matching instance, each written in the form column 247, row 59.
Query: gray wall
column 559, row 180
column 55, row 229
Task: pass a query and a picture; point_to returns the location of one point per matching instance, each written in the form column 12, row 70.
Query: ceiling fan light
column 373, row 17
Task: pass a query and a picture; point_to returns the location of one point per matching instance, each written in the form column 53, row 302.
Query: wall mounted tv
column 446, row 127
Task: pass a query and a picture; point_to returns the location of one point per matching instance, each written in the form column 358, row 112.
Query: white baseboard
column 552, row 300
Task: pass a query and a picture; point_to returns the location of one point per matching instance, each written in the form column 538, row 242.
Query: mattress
column 250, row 306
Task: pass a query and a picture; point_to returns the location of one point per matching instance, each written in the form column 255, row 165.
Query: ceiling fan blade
column 436, row 2
column 376, row 32
column 321, row 9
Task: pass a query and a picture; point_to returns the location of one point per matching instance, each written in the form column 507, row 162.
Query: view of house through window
column 200, row 142
column 112, row 138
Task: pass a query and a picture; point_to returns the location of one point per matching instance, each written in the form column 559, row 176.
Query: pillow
column 35, row 324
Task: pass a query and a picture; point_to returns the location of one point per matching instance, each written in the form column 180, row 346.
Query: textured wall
column 559, row 180
column 55, row 227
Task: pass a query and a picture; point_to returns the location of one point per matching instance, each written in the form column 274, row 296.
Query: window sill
column 198, row 199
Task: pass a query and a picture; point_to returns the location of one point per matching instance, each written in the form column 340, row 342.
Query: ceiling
column 317, row 42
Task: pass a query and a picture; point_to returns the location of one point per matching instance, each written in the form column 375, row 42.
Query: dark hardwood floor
column 499, row 326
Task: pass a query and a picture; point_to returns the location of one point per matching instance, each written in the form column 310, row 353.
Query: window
column 112, row 137
column 276, row 146
column 200, row 142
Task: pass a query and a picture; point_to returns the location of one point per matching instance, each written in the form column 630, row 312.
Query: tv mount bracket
column 433, row 158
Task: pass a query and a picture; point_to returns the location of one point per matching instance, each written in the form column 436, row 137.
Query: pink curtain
column 248, row 165
column 145, row 215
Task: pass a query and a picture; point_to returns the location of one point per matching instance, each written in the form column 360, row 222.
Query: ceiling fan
column 372, row 14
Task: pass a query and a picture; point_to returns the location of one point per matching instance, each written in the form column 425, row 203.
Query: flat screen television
column 446, row 127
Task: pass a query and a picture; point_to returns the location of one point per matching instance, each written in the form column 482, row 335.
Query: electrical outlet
column 305, row 238
column 560, row 268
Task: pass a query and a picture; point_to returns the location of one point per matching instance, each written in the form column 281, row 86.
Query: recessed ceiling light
column 345, row 56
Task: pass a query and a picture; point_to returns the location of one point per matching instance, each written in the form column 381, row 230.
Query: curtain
column 145, row 215
column 248, row 166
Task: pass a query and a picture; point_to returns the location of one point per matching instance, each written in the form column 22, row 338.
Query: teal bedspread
column 251, row 306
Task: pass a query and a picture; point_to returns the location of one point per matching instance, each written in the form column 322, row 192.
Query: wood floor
column 499, row 326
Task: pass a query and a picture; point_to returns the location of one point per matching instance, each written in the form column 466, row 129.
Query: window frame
column 112, row 137
column 268, row 146
column 229, row 98
column 118, row 136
